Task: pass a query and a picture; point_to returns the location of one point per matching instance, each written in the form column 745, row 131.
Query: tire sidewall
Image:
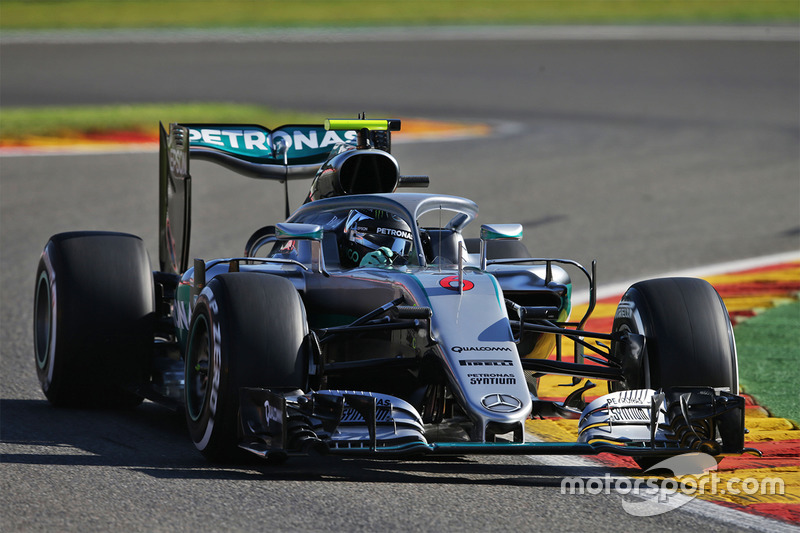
column 628, row 319
column 45, row 326
column 239, row 354
column 208, row 415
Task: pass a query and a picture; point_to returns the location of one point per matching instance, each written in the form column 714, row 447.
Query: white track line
column 617, row 289
column 768, row 33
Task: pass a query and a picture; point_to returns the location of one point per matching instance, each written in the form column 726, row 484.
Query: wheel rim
column 43, row 321
column 197, row 368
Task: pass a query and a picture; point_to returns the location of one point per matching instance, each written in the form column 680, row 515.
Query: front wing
column 641, row 423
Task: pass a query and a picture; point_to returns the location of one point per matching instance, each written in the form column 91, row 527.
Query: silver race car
column 367, row 324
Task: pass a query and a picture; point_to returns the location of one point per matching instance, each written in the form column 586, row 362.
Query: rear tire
column 93, row 319
column 247, row 330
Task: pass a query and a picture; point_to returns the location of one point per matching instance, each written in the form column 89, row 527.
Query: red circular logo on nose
column 451, row 282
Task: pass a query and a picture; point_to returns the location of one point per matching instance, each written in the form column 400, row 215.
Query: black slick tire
column 688, row 339
column 93, row 319
column 247, row 330
column 688, row 334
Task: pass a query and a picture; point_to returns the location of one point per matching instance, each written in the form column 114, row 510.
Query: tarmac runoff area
column 746, row 292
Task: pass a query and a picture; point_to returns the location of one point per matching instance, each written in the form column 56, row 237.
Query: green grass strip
column 22, row 123
column 85, row 14
column 769, row 359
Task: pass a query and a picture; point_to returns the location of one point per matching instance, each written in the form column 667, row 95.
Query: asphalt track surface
column 650, row 156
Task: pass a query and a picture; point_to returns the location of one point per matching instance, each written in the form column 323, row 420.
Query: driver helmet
column 367, row 230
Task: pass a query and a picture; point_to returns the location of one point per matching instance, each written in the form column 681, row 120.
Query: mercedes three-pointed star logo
column 501, row 403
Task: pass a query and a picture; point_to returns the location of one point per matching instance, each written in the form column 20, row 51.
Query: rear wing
column 286, row 153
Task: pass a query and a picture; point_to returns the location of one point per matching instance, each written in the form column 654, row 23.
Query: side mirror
column 286, row 231
column 498, row 232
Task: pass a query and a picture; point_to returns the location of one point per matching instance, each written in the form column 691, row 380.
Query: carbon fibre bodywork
column 467, row 335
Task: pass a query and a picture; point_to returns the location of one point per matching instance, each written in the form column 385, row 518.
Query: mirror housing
column 287, row 231
column 498, row 232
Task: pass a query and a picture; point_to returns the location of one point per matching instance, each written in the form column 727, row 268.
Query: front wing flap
column 638, row 423
column 326, row 421
column 686, row 418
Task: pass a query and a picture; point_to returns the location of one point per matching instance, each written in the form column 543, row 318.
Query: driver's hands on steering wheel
column 383, row 256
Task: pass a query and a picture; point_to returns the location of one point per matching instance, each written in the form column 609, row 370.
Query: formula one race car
column 366, row 323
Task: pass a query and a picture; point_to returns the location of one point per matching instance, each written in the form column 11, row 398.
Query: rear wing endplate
column 174, row 196
column 286, row 153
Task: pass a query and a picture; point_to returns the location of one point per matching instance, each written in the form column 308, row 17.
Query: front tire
column 93, row 319
column 688, row 340
column 688, row 335
column 247, row 330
